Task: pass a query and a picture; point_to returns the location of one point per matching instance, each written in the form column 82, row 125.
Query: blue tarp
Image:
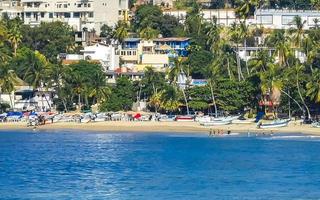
column 10, row 114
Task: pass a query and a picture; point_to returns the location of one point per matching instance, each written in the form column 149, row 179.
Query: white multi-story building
column 223, row 16
column 104, row 54
column 282, row 19
column 79, row 14
column 11, row 9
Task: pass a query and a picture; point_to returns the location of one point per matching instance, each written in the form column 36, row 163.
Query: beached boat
column 167, row 118
column 216, row 123
column 274, row 124
column 316, row 124
column 229, row 118
column 185, row 118
column 202, row 119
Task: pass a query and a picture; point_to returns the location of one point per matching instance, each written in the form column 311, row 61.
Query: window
column 65, row 5
column 134, row 53
column 90, row 14
column 264, row 19
column 50, row 15
column 28, row 15
column 123, row 53
column 76, row 15
column 129, row 53
column 79, row 5
column 89, row 5
column 67, row 15
column 42, row 14
column 287, row 19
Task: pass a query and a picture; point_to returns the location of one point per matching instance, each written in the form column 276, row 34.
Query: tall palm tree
column 237, row 39
column 213, row 73
column 180, row 70
column 15, row 36
column 295, row 74
column 213, row 34
column 297, row 32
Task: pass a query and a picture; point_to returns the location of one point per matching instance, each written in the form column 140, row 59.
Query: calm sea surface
column 67, row 165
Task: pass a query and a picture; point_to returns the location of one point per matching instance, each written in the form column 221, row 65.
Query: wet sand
column 182, row 127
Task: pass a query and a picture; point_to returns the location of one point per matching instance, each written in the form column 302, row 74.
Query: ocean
column 150, row 166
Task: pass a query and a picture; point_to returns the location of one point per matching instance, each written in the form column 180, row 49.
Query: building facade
column 79, row 14
column 138, row 54
column 99, row 53
column 11, row 9
column 283, row 19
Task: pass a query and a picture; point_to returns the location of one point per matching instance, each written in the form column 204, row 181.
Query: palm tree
column 36, row 73
column 245, row 8
column 295, row 74
column 313, row 86
column 170, row 99
column 278, row 40
column 15, row 36
column 213, row 34
column 261, row 61
column 297, row 32
column 194, row 19
column 149, row 33
column 99, row 91
column 237, row 38
column 121, row 31
column 8, row 80
column 213, row 74
column 177, row 71
column 156, row 100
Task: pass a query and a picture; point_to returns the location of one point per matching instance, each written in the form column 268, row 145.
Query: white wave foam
column 294, row 137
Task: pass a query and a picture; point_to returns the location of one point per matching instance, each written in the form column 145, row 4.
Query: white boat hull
column 274, row 125
column 215, row 123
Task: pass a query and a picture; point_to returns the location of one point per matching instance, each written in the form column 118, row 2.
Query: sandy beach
column 177, row 127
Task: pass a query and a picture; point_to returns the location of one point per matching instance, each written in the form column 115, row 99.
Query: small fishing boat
column 216, row 123
column 274, row 124
column 167, row 118
column 316, row 124
column 202, row 119
column 185, row 118
column 229, row 118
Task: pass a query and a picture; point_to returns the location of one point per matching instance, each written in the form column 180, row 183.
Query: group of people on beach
column 213, row 132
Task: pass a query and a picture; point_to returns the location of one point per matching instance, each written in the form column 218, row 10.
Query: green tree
column 313, row 86
column 121, row 31
column 179, row 70
column 8, row 80
column 14, row 35
column 50, row 39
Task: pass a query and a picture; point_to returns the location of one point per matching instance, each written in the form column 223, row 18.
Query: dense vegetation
column 233, row 85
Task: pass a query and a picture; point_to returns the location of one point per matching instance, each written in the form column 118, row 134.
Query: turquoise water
column 64, row 165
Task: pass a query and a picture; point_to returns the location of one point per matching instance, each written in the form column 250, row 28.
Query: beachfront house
column 99, row 53
column 137, row 54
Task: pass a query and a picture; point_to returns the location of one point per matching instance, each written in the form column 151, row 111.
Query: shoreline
column 162, row 127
